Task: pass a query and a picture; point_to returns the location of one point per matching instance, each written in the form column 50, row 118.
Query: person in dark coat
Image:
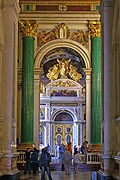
column 45, row 160
column 34, row 160
column 28, row 162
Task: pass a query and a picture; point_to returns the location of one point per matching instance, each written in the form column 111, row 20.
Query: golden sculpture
column 95, row 28
column 63, row 68
column 53, row 72
column 28, row 28
column 63, row 65
column 64, row 84
column 74, row 74
column 61, row 31
column 80, row 36
column 44, row 37
column 42, row 88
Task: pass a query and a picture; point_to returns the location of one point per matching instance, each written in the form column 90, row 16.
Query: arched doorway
column 63, row 128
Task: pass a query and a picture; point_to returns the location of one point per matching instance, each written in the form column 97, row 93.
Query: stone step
column 82, row 167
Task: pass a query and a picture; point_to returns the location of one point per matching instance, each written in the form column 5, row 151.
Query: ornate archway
column 62, row 43
column 80, row 49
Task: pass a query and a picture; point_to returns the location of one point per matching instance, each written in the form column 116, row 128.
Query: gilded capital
column 95, row 28
column 28, row 28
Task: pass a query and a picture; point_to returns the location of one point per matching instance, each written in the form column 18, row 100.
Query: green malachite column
column 27, row 90
column 96, row 83
column 27, row 121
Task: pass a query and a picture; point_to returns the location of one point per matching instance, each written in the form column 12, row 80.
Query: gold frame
column 63, row 133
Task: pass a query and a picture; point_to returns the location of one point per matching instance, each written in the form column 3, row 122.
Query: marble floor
column 60, row 175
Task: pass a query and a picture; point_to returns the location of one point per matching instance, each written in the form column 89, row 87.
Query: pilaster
column 88, row 104
column 108, row 83
column 8, row 92
column 37, row 73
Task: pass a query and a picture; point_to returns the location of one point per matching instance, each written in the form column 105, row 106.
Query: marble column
column 88, row 104
column 108, row 83
column 95, row 31
column 28, row 28
column 8, row 94
column 1, row 59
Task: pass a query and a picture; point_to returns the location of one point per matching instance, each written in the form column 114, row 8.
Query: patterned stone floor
column 60, row 175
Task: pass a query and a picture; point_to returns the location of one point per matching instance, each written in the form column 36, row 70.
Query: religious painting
column 63, row 117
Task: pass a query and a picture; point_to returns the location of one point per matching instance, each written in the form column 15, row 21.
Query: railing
column 89, row 158
column 93, row 158
column 82, row 158
column 21, row 158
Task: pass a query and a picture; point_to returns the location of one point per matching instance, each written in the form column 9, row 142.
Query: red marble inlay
column 78, row 8
column 46, row 8
column 56, row 8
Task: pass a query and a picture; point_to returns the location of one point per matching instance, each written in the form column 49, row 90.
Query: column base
column 8, row 166
column 102, row 176
column 15, row 176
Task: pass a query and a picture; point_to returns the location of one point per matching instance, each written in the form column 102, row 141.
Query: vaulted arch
column 62, row 43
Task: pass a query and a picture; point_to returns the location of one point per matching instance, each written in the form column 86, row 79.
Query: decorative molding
column 95, row 28
column 61, row 31
column 28, row 28
column 87, row 71
column 81, row 37
column 62, row 8
column 66, row 2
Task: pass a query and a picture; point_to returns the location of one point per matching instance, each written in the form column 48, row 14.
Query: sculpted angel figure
column 74, row 74
column 53, row 72
column 63, row 66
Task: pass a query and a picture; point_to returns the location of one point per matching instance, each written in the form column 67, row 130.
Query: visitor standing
column 34, row 160
column 66, row 157
column 45, row 160
column 75, row 149
column 48, row 148
column 69, row 148
column 61, row 150
column 76, row 160
column 28, row 162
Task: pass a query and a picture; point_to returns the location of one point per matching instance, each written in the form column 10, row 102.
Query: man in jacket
column 34, row 160
column 66, row 157
column 28, row 162
column 45, row 160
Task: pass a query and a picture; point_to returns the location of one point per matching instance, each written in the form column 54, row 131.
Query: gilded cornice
column 54, row 2
column 95, row 28
column 28, row 28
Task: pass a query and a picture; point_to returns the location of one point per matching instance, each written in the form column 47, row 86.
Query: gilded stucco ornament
column 62, row 83
column 62, row 31
column 28, row 28
column 63, row 68
column 95, row 28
